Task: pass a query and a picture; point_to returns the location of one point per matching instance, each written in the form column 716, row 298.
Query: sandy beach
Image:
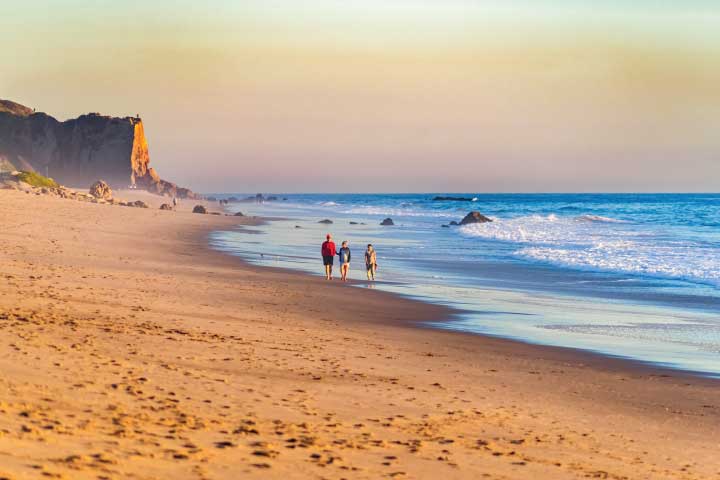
column 129, row 349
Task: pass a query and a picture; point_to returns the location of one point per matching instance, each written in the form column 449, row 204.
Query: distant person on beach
column 345, row 257
column 371, row 262
column 175, row 202
column 328, row 254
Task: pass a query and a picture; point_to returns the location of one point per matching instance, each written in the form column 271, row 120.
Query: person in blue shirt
column 345, row 256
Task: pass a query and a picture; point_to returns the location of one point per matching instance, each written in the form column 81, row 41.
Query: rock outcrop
column 388, row 222
column 79, row 151
column 100, row 189
column 454, row 199
column 474, row 217
column 199, row 209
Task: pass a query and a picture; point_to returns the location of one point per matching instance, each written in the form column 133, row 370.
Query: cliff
column 80, row 151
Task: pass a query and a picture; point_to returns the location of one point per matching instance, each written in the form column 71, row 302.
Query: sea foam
column 604, row 244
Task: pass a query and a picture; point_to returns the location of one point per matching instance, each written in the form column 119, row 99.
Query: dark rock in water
column 387, row 222
column 354, row 223
column 453, row 199
column 454, row 223
column 165, row 206
column 474, row 217
column 239, row 214
column 446, row 226
column 199, row 209
column 271, row 199
column 140, row 204
column 326, row 221
column 298, row 226
column 259, row 198
column 284, row 199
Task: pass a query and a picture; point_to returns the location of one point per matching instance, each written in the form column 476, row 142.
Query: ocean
column 628, row 275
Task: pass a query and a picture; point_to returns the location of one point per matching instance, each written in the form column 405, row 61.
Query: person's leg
column 369, row 271
column 327, row 272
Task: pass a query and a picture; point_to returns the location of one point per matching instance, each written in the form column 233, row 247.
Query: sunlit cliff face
column 413, row 95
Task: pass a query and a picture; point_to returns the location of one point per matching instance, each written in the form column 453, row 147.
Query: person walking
column 175, row 202
column 345, row 257
column 328, row 254
column 370, row 262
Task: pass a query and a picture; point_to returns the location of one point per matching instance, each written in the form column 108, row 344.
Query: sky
column 388, row 95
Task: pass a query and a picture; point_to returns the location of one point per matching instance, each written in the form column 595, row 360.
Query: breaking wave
column 598, row 218
column 604, row 244
column 397, row 212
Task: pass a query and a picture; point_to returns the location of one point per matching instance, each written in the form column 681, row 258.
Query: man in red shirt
column 328, row 253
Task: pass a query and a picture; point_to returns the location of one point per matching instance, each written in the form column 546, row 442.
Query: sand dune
column 130, row 350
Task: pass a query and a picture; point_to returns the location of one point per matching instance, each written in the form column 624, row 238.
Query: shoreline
column 449, row 314
column 131, row 349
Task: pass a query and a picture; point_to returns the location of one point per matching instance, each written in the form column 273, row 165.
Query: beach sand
column 129, row 349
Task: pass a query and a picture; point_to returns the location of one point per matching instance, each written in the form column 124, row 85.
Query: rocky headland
column 80, row 151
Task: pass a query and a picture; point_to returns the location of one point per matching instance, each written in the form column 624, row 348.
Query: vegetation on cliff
column 37, row 180
column 13, row 108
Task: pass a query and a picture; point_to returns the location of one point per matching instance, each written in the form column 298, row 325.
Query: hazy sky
column 388, row 95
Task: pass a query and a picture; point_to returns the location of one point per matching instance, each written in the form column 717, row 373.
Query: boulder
column 199, row 209
column 100, row 189
column 453, row 223
column 165, row 206
column 326, row 222
column 474, row 217
column 140, row 204
column 388, row 222
column 239, row 214
column 354, row 223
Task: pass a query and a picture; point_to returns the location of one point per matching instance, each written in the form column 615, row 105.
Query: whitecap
column 604, row 245
column 598, row 218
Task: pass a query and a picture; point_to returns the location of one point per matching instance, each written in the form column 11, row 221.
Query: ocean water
column 628, row 275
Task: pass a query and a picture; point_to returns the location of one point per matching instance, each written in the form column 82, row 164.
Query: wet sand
column 129, row 349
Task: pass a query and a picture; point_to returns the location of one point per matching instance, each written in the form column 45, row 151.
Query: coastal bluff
column 80, row 151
